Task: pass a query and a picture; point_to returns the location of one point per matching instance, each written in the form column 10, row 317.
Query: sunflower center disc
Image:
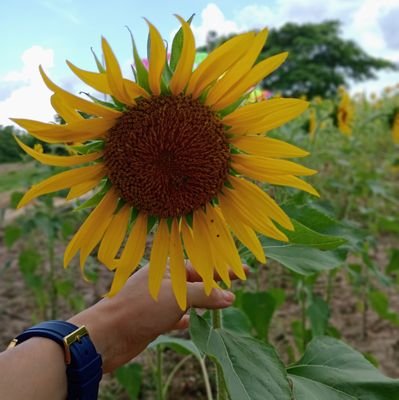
column 167, row 155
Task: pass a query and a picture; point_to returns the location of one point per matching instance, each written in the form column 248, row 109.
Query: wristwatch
column 83, row 363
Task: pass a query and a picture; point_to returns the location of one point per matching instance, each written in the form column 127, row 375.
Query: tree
column 319, row 59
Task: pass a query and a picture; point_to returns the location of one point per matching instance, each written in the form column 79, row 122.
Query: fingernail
column 228, row 296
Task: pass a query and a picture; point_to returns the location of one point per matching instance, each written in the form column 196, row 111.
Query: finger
column 218, row 298
column 183, row 323
column 193, row 276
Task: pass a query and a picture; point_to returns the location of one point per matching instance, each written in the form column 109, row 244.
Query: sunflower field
column 188, row 160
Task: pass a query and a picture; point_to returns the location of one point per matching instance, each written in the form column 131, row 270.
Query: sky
column 48, row 32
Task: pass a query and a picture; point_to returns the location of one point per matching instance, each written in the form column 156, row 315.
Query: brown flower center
column 167, row 155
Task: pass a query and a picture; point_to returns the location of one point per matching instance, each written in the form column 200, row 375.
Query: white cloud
column 31, row 100
column 213, row 19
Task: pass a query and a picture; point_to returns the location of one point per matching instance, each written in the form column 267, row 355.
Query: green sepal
column 151, row 221
column 94, row 200
column 190, row 219
column 98, row 63
column 177, row 45
column 141, row 72
column 91, row 147
column 115, row 106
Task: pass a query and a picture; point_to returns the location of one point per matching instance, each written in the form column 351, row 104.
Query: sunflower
column 175, row 152
column 345, row 113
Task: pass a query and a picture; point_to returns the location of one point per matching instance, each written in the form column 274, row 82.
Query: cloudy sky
column 48, row 32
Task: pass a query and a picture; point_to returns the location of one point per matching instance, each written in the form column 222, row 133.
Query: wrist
column 100, row 324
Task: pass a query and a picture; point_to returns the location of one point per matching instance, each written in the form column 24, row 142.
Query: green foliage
column 129, row 377
column 251, row 369
column 331, row 370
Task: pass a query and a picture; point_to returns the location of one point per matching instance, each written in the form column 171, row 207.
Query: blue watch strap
column 84, row 364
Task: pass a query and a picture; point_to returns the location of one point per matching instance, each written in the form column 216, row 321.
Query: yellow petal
column 268, row 166
column 255, row 75
column 156, row 61
column 60, row 161
column 238, row 71
column 114, row 74
column 78, row 131
column 131, row 254
column 134, row 90
column 252, row 113
column 177, row 268
column 268, row 121
column 202, row 232
column 250, row 216
column 224, row 241
column 244, row 233
column 63, row 180
column 200, row 260
column 261, row 201
column 158, row 258
column 97, row 80
column 68, row 114
column 89, row 226
column 77, row 102
column 94, row 232
column 184, row 67
column 267, row 147
column 218, row 62
column 82, row 188
column 114, row 236
column 290, row 181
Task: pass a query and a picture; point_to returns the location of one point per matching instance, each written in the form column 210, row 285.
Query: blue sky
column 49, row 31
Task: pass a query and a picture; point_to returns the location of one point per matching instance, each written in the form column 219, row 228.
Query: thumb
column 218, row 298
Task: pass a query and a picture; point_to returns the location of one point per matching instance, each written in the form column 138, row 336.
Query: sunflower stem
column 221, row 392
column 159, row 373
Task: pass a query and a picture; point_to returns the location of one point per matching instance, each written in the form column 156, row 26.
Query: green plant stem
column 221, row 391
column 172, row 374
column 303, row 317
column 206, row 380
column 53, row 289
column 159, row 370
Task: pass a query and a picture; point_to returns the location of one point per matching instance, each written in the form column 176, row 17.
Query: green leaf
column 129, row 377
column 182, row 346
column 332, row 370
column 318, row 313
column 236, row 321
column 308, row 237
column 259, row 307
column 15, row 198
column 300, row 259
column 389, row 224
column 29, row 260
column 94, row 200
column 251, row 369
column 393, row 265
column 141, row 71
column 177, row 46
column 11, row 234
column 91, row 147
column 380, row 303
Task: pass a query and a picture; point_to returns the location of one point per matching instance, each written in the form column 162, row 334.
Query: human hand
column 121, row 327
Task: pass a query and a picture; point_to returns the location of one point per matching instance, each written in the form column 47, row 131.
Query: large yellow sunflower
column 345, row 113
column 175, row 147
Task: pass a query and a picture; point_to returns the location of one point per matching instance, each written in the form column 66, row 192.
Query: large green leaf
column 129, row 377
column 331, row 370
column 300, row 259
column 309, row 237
column 182, row 346
column 251, row 369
